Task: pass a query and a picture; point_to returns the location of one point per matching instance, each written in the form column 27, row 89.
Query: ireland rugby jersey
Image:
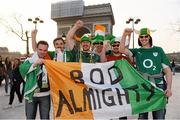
column 151, row 60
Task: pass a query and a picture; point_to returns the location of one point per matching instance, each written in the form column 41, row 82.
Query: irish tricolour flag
column 100, row 91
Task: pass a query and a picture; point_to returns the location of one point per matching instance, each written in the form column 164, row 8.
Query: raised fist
column 34, row 32
column 128, row 31
column 79, row 23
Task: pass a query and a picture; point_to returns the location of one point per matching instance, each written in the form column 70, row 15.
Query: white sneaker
column 20, row 104
column 8, row 107
column 7, row 94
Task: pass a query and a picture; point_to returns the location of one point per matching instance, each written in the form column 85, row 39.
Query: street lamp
column 27, row 43
column 133, row 21
column 63, row 36
column 35, row 21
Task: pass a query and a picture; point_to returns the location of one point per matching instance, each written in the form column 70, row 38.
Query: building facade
column 4, row 52
column 67, row 13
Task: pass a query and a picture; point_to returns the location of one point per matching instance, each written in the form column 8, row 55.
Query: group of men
column 149, row 59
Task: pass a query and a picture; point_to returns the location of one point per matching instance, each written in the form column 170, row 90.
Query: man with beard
column 99, row 47
column 84, row 54
column 114, row 53
column 60, row 53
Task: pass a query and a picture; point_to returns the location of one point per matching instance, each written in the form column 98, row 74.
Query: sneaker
column 6, row 94
column 21, row 104
column 8, row 107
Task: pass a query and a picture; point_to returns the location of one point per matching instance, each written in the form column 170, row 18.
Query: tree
column 16, row 27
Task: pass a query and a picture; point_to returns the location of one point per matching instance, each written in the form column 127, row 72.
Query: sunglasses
column 143, row 36
column 98, row 43
column 115, row 45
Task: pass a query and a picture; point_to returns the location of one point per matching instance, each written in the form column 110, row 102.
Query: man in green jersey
column 152, row 63
column 84, row 53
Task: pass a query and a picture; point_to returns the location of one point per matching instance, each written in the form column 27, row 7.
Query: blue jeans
column 44, row 107
column 173, row 70
column 159, row 114
column 6, row 84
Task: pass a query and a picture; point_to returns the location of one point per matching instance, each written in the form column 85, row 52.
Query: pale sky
column 160, row 15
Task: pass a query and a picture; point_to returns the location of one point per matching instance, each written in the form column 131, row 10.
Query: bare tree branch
column 21, row 26
column 9, row 27
column 16, row 27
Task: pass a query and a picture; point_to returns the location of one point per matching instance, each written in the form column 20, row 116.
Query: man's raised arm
column 122, row 48
column 34, row 42
column 70, row 35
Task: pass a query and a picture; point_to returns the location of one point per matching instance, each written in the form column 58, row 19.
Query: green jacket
column 29, row 74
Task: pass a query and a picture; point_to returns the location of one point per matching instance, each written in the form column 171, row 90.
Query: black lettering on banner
column 73, row 102
column 111, row 98
column 119, row 78
column 99, row 102
column 77, row 76
column 151, row 90
column 134, row 87
column 125, row 94
column 101, row 76
column 87, row 94
column 62, row 101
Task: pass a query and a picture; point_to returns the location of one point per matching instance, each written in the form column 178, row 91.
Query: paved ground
column 173, row 108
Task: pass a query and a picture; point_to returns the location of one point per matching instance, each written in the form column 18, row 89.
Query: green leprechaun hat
column 111, row 38
column 85, row 37
column 98, row 38
column 144, row 31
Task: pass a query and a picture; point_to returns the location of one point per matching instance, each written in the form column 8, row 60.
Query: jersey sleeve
column 164, row 58
column 133, row 52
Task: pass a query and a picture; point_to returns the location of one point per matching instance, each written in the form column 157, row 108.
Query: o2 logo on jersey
column 148, row 63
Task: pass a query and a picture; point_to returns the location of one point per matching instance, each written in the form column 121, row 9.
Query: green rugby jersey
column 84, row 56
column 150, row 60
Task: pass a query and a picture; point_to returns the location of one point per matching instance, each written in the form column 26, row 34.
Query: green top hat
column 98, row 38
column 85, row 37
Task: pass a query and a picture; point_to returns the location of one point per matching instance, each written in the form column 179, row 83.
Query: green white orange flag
column 100, row 91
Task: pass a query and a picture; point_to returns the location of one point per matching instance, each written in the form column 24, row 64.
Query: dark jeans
column 123, row 118
column 15, row 88
column 1, row 79
column 44, row 107
column 159, row 114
